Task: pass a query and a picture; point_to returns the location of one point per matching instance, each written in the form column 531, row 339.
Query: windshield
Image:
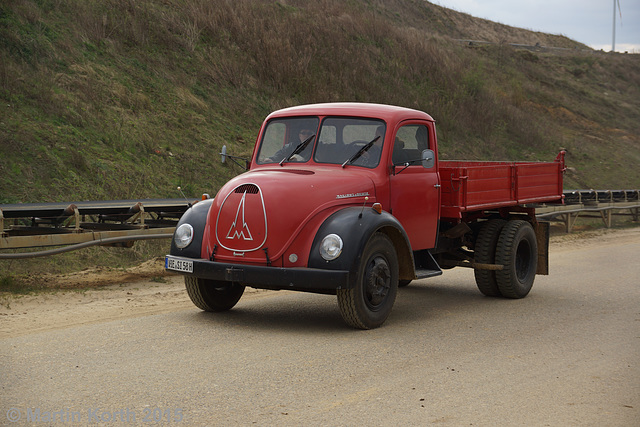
column 341, row 138
column 338, row 140
column 283, row 136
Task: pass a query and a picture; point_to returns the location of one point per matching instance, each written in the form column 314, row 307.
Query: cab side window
column 410, row 141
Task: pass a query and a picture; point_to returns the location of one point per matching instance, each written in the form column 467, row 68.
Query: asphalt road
column 568, row 354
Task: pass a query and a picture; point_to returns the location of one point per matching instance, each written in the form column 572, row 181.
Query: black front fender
column 196, row 215
column 355, row 226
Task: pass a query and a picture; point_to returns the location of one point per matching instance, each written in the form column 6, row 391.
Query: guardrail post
column 138, row 208
column 569, row 220
column 2, row 233
column 606, row 217
column 76, row 217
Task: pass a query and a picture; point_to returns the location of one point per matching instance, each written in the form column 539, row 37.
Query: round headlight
column 183, row 236
column 331, row 247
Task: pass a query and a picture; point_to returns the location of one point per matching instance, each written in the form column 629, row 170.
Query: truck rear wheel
column 213, row 295
column 369, row 303
column 517, row 250
column 485, row 253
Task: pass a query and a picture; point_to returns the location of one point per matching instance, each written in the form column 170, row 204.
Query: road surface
column 568, row 354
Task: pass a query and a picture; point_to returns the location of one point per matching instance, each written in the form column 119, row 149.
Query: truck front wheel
column 213, row 295
column 369, row 303
column 517, row 251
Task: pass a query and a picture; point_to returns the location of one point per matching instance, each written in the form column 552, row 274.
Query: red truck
column 350, row 199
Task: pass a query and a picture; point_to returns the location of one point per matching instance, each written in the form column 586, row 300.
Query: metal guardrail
column 602, row 204
column 121, row 222
column 82, row 224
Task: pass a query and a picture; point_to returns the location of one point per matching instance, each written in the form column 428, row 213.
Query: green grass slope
column 110, row 99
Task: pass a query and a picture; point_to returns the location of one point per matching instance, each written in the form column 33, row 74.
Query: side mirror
column 428, row 159
column 224, row 155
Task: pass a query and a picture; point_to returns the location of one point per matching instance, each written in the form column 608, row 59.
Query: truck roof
column 355, row 109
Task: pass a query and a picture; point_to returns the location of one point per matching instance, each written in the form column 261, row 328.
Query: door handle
column 437, row 186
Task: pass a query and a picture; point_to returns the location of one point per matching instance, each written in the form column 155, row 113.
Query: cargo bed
column 472, row 186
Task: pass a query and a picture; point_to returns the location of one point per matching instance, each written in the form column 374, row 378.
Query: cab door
column 414, row 189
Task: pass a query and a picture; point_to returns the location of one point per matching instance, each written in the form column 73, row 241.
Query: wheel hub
column 378, row 282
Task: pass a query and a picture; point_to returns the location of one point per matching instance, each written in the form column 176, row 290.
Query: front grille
column 247, row 188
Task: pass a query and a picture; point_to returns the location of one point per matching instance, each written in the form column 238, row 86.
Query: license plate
column 178, row 265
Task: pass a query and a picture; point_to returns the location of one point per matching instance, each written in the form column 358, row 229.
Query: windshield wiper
column 361, row 151
column 298, row 149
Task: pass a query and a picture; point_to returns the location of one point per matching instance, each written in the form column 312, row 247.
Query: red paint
column 280, row 208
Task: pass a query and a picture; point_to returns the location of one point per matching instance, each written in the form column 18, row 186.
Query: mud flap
column 542, row 237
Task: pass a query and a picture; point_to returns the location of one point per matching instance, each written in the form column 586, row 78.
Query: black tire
column 485, row 253
column 213, row 295
column 369, row 303
column 518, row 251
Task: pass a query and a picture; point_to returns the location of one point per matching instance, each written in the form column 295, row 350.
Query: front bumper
column 299, row 279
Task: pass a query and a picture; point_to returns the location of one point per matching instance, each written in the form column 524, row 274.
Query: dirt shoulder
column 599, row 237
column 94, row 296
column 98, row 295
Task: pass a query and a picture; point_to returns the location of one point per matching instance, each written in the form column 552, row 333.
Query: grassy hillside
column 110, row 99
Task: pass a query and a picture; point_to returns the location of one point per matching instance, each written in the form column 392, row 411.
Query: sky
column 587, row 21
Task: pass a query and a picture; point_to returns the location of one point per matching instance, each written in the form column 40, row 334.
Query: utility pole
column 613, row 43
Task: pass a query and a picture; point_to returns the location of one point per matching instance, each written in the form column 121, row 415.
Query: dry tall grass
column 145, row 92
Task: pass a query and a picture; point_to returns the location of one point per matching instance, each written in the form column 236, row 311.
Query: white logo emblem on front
column 239, row 231
column 241, row 224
